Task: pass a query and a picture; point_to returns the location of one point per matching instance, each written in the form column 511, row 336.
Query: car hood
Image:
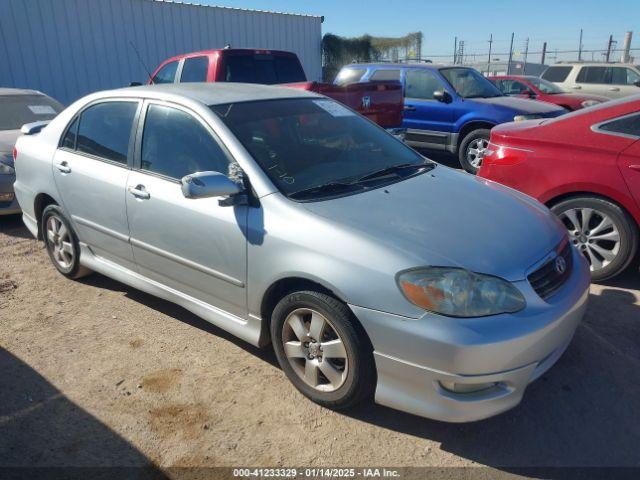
column 448, row 218
column 522, row 105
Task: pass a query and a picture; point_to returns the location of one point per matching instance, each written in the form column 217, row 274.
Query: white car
column 613, row 80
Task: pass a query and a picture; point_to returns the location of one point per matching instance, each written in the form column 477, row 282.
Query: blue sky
column 558, row 22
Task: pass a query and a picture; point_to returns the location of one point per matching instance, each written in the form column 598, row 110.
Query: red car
column 585, row 166
column 543, row 90
column 380, row 102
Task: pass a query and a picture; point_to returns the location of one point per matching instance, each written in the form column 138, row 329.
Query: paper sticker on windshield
column 334, row 108
column 42, row 109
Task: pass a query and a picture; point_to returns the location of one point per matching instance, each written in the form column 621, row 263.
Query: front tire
column 62, row 243
column 602, row 231
column 472, row 148
column 322, row 350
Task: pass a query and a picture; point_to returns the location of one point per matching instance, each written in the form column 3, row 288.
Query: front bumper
column 415, row 358
column 8, row 201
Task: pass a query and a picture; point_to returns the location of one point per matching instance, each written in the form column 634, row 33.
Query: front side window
column 594, row 75
column 175, row 144
column 514, row 87
column 469, row 83
column 629, row 125
column 167, row 74
column 306, row 143
column 545, row 86
column 105, row 130
column 624, row 76
column 16, row 110
column 421, row 84
column 195, row 69
column 557, row 73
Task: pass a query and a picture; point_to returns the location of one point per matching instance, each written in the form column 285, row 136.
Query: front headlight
column 456, row 292
column 589, row 103
column 530, row 116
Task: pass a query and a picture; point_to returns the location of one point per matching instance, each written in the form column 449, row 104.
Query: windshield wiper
column 394, row 169
column 327, row 188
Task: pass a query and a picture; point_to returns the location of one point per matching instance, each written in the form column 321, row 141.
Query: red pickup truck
column 381, row 102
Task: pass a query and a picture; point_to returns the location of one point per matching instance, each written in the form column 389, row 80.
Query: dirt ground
column 96, row 373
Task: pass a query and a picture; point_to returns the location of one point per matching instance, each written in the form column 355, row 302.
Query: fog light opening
column 454, row 387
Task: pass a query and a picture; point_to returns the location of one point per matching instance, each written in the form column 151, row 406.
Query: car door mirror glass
column 208, row 184
column 442, row 96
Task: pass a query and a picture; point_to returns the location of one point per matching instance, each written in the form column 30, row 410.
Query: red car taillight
column 15, row 155
column 503, row 155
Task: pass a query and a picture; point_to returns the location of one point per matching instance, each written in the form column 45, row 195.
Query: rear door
column 90, row 168
column 623, row 81
column 429, row 122
column 596, row 80
column 194, row 246
column 195, row 69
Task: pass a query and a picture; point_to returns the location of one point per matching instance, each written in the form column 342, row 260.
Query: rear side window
column 594, row 75
column 385, row 76
column 105, row 129
column 349, row 75
column 167, row 74
column 557, row 74
column 421, row 84
column 262, row 68
column 195, row 69
column 623, row 76
column 175, row 144
column 626, row 126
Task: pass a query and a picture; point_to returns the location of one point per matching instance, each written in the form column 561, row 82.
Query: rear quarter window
column 195, row 69
column 629, row 125
column 385, row 75
column 557, row 74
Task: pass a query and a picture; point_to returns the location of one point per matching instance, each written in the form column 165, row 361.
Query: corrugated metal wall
column 68, row 48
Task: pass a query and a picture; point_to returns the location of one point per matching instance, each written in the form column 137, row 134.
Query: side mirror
column 208, row 184
column 135, row 84
column 442, row 96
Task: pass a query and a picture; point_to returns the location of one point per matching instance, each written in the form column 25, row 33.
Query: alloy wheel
column 594, row 234
column 60, row 243
column 475, row 151
column 314, row 350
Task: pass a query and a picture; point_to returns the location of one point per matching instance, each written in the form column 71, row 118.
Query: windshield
column 16, row 110
column 545, row 86
column 305, row 143
column 469, row 83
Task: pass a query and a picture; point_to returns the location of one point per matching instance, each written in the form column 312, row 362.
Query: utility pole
column 580, row 47
column 609, row 46
column 526, row 54
column 510, row 55
column 489, row 61
column 455, row 49
column 544, row 53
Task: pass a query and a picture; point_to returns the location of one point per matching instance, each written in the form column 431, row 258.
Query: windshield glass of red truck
column 315, row 148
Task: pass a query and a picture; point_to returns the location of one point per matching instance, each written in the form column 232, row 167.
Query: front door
column 428, row 121
column 629, row 162
column 91, row 168
column 194, row 246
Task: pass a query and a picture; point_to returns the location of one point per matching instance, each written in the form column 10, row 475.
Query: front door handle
column 635, row 167
column 409, row 108
column 63, row 167
column 614, row 89
column 576, row 87
column 139, row 192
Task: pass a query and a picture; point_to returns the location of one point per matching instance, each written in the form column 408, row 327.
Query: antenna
column 141, row 62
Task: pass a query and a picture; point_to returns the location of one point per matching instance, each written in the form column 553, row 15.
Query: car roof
column 18, row 91
column 216, row 93
column 230, row 50
column 400, row 65
column 591, row 64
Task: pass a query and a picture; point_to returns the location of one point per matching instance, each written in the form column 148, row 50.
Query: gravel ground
column 96, row 373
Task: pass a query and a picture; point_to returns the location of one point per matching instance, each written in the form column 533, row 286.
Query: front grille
column 547, row 279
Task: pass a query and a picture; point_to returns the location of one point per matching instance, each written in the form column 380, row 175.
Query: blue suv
column 449, row 108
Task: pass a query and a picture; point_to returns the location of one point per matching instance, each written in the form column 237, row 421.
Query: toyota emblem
column 560, row 265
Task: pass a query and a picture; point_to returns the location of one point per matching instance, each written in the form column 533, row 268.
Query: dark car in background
column 450, row 108
column 18, row 107
column 536, row 88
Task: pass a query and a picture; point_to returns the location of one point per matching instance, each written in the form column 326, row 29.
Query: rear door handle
column 576, row 87
column 635, row 167
column 63, row 167
column 614, row 89
column 139, row 192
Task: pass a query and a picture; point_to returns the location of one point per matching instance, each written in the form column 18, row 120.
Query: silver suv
column 288, row 219
column 612, row 80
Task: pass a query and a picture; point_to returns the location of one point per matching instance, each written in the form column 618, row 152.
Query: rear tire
column 62, row 243
column 602, row 231
column 471, row 150
column 328, row 356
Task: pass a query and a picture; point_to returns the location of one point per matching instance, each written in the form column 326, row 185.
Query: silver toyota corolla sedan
column 286, row 218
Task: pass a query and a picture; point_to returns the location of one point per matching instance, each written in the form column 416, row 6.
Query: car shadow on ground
column 12, row 225
column 580, row 413
column 43, row 434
